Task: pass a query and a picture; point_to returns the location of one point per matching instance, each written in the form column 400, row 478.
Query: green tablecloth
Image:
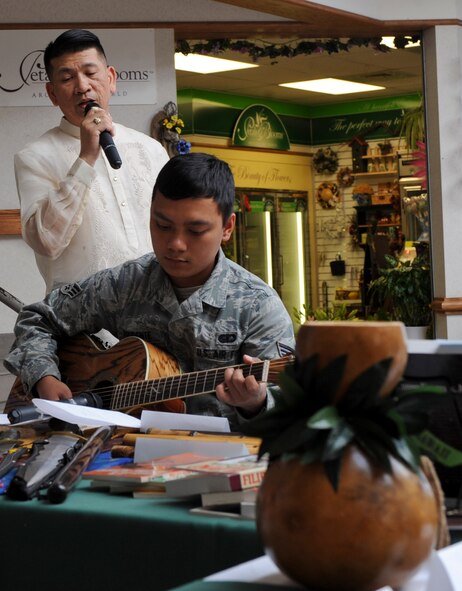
column 99, row 541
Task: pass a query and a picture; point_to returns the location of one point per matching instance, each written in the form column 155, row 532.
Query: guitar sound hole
column 107, row 387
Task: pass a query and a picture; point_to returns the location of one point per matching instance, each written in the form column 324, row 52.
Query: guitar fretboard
column 180, row 386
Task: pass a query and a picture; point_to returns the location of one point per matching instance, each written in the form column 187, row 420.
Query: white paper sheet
column 148, row 448
column 259, row 570
column 85, row 415
column 442, row 572
column 446, row 569
column 151, row 419
column 4, row 420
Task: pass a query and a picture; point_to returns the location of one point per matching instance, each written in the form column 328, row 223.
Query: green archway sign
column 259, row 127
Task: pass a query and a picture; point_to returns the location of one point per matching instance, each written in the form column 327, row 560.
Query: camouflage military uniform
column 232, row 314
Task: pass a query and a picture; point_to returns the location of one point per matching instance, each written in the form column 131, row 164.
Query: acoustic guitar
column 134, row 374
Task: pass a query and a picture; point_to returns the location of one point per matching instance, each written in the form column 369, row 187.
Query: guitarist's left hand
column 244, row 392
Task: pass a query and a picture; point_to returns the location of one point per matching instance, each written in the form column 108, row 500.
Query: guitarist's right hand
column 50, row 388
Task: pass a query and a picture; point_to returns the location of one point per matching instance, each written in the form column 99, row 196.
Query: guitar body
column 85, row 365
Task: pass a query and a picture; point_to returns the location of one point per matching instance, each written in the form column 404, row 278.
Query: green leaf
column 363, row 391
column 292, row 391
column 326, row 418
column 328, row 381
column 292, row 437
column 332, row 470
column 313, row 452
column 376, row 452
column 304, row 372
column 408, row 453
column 340, row 436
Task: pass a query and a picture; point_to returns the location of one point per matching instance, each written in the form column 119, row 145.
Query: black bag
column 337, row 267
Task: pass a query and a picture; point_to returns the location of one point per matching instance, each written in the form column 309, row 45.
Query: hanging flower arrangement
column 325, row 161
column 345, row 177
column 266, row 49
column 328, row 195
column 166, row 127
column 174, row 123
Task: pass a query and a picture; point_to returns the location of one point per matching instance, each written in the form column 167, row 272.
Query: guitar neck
column 180, row 386
column 10, row 300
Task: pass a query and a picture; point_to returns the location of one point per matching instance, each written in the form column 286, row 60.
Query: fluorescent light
column 301, row 261
column 269, row 254
column 390, row 42
column 204, row 64
column 332, row 86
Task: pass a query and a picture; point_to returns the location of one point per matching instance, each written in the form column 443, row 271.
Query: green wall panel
column 215, row 114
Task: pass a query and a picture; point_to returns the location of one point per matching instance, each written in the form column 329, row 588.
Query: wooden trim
column 447, row 305
column 319, row 22
column 10, row 222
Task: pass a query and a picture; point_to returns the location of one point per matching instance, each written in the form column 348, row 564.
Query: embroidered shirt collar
column 69, row 129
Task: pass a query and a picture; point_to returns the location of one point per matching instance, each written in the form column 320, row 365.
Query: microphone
column 31, row 413
column 106, row 142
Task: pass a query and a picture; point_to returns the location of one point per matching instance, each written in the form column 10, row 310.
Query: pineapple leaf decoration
column 307, row 421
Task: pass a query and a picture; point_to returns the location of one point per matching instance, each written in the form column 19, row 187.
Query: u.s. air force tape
column 71, row 290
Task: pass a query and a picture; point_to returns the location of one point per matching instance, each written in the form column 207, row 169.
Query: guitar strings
column 146, row 391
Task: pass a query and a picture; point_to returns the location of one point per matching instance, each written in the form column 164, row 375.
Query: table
column 262, row 574
column 96, row 541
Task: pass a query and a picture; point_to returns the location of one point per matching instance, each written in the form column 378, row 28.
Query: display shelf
column 346, row 302
column 376, row 173
column 377, row 225
column 372, row 157
column 374, row 207
column 368, row 219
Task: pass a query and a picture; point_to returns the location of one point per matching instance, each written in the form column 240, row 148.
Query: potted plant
column 413, row 127
column 341, row 312
column 403, row 290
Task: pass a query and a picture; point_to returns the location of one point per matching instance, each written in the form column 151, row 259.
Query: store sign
column 259, row 127
column 23, row 77
column 341, row 128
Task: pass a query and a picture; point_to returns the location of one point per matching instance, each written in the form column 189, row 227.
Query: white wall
column 144, row 11
column 399, row 10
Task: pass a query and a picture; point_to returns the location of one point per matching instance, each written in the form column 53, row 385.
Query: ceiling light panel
column 332, row 86
column 204, row 64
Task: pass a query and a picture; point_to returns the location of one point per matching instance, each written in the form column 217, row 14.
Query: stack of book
column 227, row 487
column 236, row 503
column 147, row 478
column 224, row 486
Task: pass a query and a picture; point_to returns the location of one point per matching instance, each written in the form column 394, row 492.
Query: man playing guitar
column 188, row 299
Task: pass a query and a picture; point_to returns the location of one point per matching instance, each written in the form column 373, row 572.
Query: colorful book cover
column 158, row 470
column 228, row 474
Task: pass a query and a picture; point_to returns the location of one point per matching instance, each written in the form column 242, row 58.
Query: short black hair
column 195, row 175
column 71, row 41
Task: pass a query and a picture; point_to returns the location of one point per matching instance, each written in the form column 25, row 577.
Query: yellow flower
column 174, row 122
